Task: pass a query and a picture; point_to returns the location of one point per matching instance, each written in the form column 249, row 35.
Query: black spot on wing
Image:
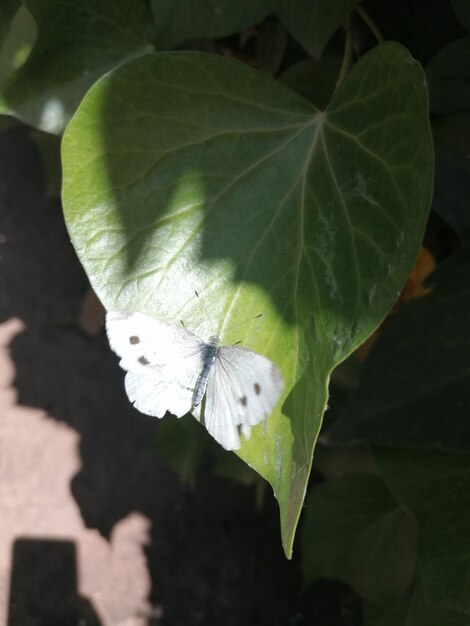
column 143, row 360
column 257, row 388
column 134, row 340
column 243, row 400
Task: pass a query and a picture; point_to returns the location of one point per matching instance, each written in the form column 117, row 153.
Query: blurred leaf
column 271, row 45
column 435, row 488
column 462, row 10
column 452, row 186
column 355, row 531
column 311, row 23
column 180, row 444
column 18, row 42
column 395, row 612
column 412, row 611
column 228, row 465
column 77, row 43
column 414, row 387
column 315, row 80
column 8, row 9
column 176, row 22
column 189, row 171
column 337, row 461
column 448, row 76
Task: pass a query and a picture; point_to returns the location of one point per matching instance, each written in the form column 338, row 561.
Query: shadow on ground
column 43, row 585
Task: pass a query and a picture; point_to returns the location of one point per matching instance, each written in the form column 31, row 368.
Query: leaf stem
column 370, row 23
column 347, row 56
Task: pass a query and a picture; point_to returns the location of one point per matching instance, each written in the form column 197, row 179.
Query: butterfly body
column 171, row 369
column 210, row 356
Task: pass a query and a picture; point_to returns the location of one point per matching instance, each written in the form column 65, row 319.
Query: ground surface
column 94, row 528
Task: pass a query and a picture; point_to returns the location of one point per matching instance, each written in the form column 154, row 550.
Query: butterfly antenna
column 204, row 310
column 245, row 321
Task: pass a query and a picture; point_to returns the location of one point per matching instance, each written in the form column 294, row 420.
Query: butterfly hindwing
column 163, row 362
column 158, row 393
column 242, row 389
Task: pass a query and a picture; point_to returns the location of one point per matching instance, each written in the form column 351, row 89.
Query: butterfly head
column 214, row 340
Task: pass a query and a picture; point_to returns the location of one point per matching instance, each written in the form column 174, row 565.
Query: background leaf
column 196, row 19
column 188, row 171
column 435, row 488
column 448, row 76
column 77, row 43
column 414, row 386
column 314, row 80
column 310, row 23
column 412, row 611
column 313, row 23
column 462, row 10
column 355, row 531
column 8, row 8
column 17, row 44
column 270, row 46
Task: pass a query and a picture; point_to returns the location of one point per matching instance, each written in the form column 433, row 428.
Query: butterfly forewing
column 163, row 362
column 242, row 389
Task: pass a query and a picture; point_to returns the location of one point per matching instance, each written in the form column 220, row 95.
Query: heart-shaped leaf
column 185, row 171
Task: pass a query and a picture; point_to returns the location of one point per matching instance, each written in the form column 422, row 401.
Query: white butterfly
column 171, row 369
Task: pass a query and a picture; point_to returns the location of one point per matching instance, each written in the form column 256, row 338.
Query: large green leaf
column 77, row 43
column 311, row 23
column 355, row 531
column 187, row 171
column 435, row 488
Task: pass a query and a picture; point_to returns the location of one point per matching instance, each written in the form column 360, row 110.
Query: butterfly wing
column 163, row 362
column 242, row 389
